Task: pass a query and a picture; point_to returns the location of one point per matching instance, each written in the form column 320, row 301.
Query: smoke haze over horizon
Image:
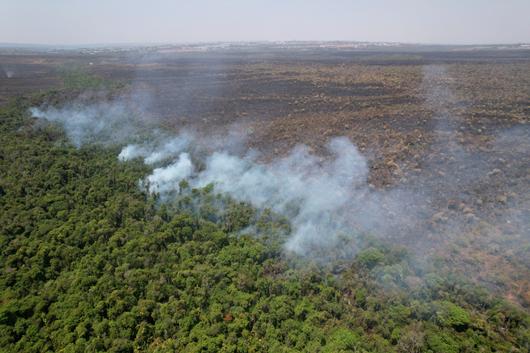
column 412, row 21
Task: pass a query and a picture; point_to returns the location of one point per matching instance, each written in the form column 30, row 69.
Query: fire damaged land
column 94, row 261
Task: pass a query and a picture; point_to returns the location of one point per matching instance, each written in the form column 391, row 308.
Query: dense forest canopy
column 91, row 262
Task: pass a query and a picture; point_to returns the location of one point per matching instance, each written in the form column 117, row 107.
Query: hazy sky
column 124, row 21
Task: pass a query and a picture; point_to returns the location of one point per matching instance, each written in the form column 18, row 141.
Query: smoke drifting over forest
column 109, row 122
column 314, row 193
column 328, row 200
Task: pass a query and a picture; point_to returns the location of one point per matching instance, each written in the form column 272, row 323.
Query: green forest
column 92, row 263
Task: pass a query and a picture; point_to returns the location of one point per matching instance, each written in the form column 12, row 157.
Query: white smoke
column 315, row 193
column 326, row 199
column 106, row 122
column 155, row 154
column 8, row 72
column 166, row 179
column 132, row 152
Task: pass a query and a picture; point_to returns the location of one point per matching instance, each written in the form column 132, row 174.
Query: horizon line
column 145, row 44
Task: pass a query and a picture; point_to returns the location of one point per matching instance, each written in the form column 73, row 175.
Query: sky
column 70, row 22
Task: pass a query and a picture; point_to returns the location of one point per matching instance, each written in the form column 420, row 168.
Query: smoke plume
column 313, row 192
column 327, row 199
